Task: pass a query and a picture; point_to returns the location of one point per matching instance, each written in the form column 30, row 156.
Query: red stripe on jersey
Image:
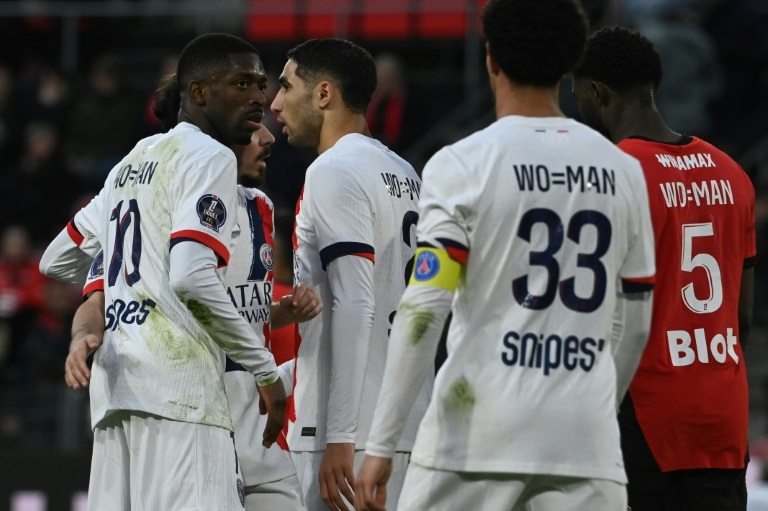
column 267, row 225
column 74, row 234
column 365, row 255
column 207, row 240
column 96, row 285
column 457, row 254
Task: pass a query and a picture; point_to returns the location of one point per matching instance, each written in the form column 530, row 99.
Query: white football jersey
column 157, row 357
column 551, row 218
column 248, row 279
column 359, row 198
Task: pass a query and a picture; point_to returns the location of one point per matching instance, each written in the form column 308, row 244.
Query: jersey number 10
column 123, row 223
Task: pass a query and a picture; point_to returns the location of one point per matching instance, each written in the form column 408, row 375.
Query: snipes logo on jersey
column 427, row 266
column 211, row 211
column 267, row 256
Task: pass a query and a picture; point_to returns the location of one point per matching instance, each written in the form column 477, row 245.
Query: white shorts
column 427, row 489
column 142, row 462
column 308, row 466
column 282, row 495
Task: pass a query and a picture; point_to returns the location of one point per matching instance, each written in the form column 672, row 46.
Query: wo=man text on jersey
column 540, row 178
column 141, row 174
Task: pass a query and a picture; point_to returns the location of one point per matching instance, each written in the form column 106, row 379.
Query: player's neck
column 526, row 101
column 642, row 120
column 201, row 122
column 338, row 124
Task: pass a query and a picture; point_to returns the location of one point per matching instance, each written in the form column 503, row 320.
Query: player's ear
column 324, row 92
column 490, row 61
column 600, row 93
column 198, row 92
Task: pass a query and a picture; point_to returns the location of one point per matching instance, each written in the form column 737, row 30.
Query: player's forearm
column 410, row 358
column 64, row 260
column 194, row 280
column 633, row 336
column 351, row 280
column 89, row 317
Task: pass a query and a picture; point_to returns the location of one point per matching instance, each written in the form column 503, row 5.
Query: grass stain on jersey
column 420, row 319
column 460, row 396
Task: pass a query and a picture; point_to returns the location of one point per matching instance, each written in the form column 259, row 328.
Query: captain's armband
column 434, row 267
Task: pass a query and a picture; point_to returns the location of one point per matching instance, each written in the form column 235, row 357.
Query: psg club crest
column 427, row 266
column 97, row 267
column 267, row 256
column 211, row 211
column 241, row 492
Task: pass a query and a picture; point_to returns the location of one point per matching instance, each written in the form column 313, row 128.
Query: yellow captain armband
column 434, row 267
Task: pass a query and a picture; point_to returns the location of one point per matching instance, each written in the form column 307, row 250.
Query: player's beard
column 308, row 125
column 251, row 180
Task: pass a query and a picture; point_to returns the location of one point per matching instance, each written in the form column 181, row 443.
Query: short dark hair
column 167, row 102
column 208, row 51
column 535, row 42
column 349, row 66
column 622, row 59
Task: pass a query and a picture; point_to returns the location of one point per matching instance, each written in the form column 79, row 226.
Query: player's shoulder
column 186, row 142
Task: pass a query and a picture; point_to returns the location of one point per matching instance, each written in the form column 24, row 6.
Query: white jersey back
column 249, row 280
column 156, row 356
column 550, row 216
column 359, row 198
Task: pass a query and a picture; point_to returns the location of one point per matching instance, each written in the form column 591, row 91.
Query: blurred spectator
column 8, row 115
column 103, row 124
column 692, row 74
column 39, row 188
column 46, row 344
column 49, row 99
column 392, row 116
column 757, row 493
column 21, row 292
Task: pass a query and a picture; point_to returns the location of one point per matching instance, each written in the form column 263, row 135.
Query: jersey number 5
column 123, row 223
column 710, row 266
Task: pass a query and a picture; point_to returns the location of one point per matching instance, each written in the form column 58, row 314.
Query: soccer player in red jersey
column 684, row 422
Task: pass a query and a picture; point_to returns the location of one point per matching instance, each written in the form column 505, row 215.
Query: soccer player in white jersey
column 352, row 241
column 165, row 221
column 269, row 475
column 534, row 232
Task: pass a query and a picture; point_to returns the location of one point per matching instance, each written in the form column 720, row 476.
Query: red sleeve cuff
column 74, row 234
column 95, row 285
column 206, row 239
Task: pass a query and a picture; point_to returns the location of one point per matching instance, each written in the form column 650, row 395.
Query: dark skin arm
column 746, row 295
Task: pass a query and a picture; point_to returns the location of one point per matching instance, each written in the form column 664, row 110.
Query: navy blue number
column 410, row 219
column 590, row 261
column 544, row 258
column 123, row 224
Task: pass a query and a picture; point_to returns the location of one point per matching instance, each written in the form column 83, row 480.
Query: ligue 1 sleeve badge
column 427, row 266
column 97, row 267
column 211, row 211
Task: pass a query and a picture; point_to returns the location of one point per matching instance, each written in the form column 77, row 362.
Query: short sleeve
column 638, row 271
column 445, row 208
column 95, row 279
column 85, row 228
column 341, row 211
column 205, row 200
